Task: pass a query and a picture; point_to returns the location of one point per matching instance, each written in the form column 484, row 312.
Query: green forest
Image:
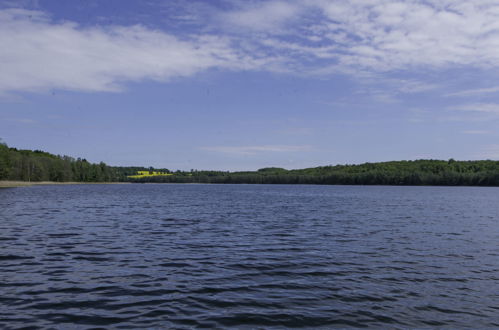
column 36, row 165
column 29, row 165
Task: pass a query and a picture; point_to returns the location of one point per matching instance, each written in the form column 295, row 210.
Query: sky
column 242, row 85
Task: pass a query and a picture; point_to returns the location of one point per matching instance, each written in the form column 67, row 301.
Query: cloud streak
column 37, row 54
column 478, row 107
column 474, row 92
column 380, row 35
column 488, row 152
column 308, row 37
column 269, row 15
column 253, row 150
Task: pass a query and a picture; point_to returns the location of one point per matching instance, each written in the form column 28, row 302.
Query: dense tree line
column 27, row 165
column 418, row 172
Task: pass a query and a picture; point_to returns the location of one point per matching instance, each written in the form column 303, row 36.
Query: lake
column 248, row 256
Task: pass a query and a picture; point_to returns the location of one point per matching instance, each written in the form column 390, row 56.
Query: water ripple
column 188, row 256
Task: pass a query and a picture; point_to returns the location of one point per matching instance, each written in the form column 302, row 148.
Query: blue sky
column 241, row 85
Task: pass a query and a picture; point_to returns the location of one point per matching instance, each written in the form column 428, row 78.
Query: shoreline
column 15, row 184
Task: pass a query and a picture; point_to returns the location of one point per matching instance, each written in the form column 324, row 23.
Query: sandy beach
column 13, row 184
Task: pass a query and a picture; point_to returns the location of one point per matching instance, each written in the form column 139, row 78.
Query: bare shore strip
column 12, row 184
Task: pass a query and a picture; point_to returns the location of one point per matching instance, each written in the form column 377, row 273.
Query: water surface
column 249, row 256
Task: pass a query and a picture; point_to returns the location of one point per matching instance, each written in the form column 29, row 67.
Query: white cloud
column 312, row 37
column 380, row 35
column 414, row 86
column 269, row 16
column 252, row 150
column 478, row 107
column 37, row 54
column 473, row 92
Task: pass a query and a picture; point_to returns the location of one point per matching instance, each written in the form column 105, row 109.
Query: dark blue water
column 248, row 256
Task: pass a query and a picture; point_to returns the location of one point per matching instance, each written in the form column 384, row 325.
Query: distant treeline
column 418, row 172
column 27, row 165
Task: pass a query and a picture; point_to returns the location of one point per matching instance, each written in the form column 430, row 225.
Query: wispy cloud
column 267, row 16
column 473, row 92
column 253, row 150
column 379, row 35
column 37, row 54
column 488, row 152
column 478, row 107
column 303, row 37
column 414, row 86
